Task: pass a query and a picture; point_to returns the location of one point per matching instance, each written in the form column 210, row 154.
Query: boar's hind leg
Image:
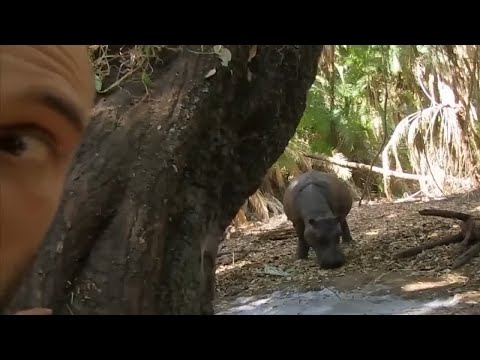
column 346, row 236
column 302, row 246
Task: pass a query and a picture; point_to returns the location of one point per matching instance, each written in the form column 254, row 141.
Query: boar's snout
column 331, row 259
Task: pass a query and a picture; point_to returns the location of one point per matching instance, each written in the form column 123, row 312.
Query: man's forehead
column 60, row 76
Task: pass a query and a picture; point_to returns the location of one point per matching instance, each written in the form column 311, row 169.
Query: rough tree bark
column 155, row 184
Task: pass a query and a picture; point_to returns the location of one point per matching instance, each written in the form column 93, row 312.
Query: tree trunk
column 155, row 184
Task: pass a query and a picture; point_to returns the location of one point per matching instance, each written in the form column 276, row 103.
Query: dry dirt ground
column 260, row 258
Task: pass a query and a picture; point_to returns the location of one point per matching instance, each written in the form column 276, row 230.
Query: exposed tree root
column 277, row 234
column 469, row 237
column 467, row 256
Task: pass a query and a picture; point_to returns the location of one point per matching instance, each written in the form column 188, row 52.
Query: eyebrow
column 63, row 107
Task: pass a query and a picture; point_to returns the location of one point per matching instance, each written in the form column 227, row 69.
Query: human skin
column 46, row 94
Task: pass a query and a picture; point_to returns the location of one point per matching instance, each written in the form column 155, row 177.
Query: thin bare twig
column 384, row 116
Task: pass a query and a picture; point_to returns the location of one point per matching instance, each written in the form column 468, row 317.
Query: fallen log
column 379, row 170
column 376, row 169
column 469, row 237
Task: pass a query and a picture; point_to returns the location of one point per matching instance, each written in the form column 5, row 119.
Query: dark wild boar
column 317, row 204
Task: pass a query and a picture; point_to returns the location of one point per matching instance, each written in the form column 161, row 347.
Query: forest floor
column 259, row 259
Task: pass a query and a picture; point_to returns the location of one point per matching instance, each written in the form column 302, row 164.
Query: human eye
column 26, row 144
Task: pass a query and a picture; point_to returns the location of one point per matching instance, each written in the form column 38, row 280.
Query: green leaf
column 146, row 80
column 341, row 71
column 98, row 83
column 271, row 270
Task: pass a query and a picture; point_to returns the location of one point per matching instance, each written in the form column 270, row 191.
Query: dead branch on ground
column 469, row 237
column 418, row 249
column 445, row 214
column 232, row 256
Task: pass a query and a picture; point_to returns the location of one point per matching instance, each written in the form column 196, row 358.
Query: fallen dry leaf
column 210, row 73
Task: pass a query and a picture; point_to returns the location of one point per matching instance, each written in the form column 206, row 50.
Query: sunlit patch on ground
column 450, row 279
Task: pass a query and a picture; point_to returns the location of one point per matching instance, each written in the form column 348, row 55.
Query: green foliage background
column 345, row 109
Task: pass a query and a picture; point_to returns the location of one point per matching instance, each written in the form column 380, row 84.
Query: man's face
column 43, row 106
